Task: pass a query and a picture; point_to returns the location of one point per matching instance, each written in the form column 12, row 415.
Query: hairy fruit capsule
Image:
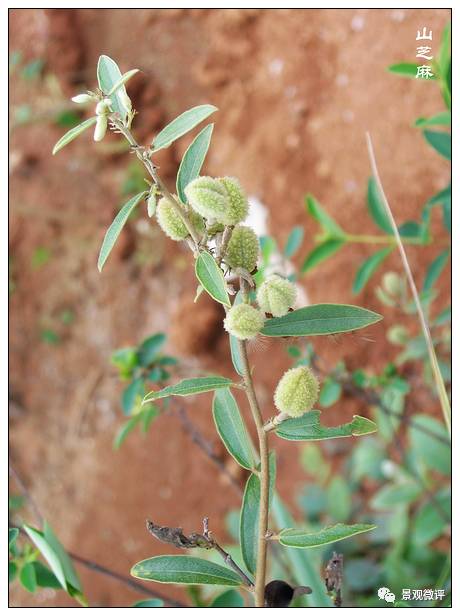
column 243, row 321
column 243, row 249
column 101, row 128
column 276, row 295
column 297, row 391
column 209, row 197
column 171, row 222
column 238, row 202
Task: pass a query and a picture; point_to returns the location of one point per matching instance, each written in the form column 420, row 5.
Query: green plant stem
column 380, row 239
column 261, row 567
column 144, row 156
column 442, row 393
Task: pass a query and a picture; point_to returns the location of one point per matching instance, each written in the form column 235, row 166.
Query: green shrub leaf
column 125, row 429
column 429, row 524
column 321, row 252
column 427, row 449
column 405, row 69
column 309, row 428
column 13, row 534
column 181, row 125
column 48, row 553
column 123, row 79
column 229, row 598
column 319, row 214
column 368, row 268
column 44, row 576
column 109, row 77
column 189, row 387
column 304, row 539
column 377, row 208
column 330, row 392
column 115, row 228
column 396, row 494
column 193, row 160
column 443, row 118
column 441, row 142
column 435, row 269
column 149, row 349
column 320, row 319
column 27, row 577
column 149, row 603
column 73, row 134
column 231, row 428
column 249, row 522
column 211, row 278
column 184, row 570
column 293, row 242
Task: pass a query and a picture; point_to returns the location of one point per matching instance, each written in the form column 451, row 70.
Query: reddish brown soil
column 296, row 91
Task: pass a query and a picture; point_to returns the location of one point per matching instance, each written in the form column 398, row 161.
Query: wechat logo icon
column 386, row 595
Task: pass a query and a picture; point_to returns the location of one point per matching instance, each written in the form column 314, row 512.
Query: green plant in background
column 206, row 213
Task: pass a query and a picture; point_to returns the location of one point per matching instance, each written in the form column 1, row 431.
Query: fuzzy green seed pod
column 239, row 205
column 244, row 321
column 392, row 283
column 101, row 128
column 209, row 197
column 297, row 391
column 216, row 227
column 276, row 295
column 243, row 249
column 172, row 224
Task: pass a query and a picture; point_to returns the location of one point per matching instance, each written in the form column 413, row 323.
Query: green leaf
column 149, row 603
column 377, row 208
column 405, row 69
column 331, row 534
column 73, row 134
column 125, row 429
column 67, row 566
column 237, row 360
column 229, row 598
column 429, row 524
column 115, row 228
column 293, row 242
column 443, row 118
column 393, row 495
column 320, row 319
column 48, row 553
column 149, row 349
column 330, row 392
column 27, row 577
column 305, row 567
column 13, row 534
column 121, row 82
column 249, row 522
column 109, row 77
column 309, row 428
column 133, row 395
column 193, row 160
column 435, row 269
column 319, row 214
column 190, row 387
column 211, row 278
column 231, row 428
column 321, row 252
column 181, row 125
column 12, row 571
column 339, row 503
column 441, row 142
column 368, row 268
column 433, row 453
column 184, row 570
column 45, row 578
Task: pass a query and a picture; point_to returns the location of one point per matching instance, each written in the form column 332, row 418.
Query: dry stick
column 261, row 566
column 443, row 398
column 89, row 564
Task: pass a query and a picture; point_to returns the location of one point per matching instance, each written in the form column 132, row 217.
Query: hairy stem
column 261, row 567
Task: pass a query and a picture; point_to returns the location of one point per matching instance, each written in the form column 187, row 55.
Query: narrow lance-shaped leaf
column 237, row 360
column 184, row 570
column 435, row 269
column 121, row 82
column 320, row 215
column 441, row 142
column 115, row 228
column 405, row 69
column 231, row 428
column 309, row 428
column 338, row 532
column 293, row 242
column 48, row 553
column 181, row 125
column 109, row 77
column 73, row 134
column 229, row 598
column 190, row 387
column 212, row 278
column 149, row 603
column 377, row 208
column 320, row 319
column 368, row 268
column 443, row 118
column 321, row 252
column 193, row 160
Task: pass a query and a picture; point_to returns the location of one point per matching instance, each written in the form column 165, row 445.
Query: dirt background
column 296, row 91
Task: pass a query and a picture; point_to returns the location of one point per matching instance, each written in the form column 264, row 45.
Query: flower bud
column 276, row 295
column 244, row 321
column 239, row 205
column 392, row 283
column 209, row 197
column 171, row 222
column 151, row 203
column 297, row 391
column 82, row 99
column 398, row 334
column 103, row 107
column 101, row 128
column 243, row 249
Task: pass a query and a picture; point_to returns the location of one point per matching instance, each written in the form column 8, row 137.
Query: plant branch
column 261, row 567
column 443, row 398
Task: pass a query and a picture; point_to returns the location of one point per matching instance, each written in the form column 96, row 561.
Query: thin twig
column 443, row 398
